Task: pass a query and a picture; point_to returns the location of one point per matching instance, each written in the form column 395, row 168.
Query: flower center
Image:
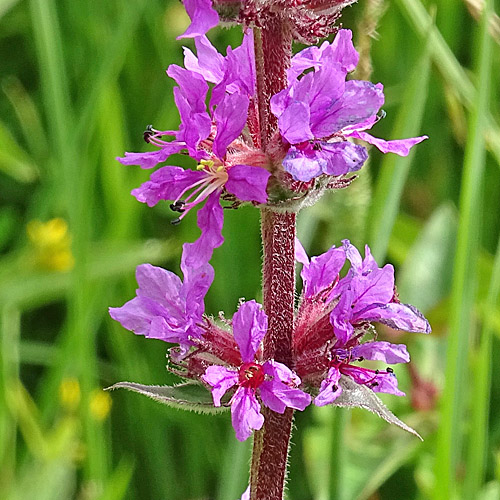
column 251, row 375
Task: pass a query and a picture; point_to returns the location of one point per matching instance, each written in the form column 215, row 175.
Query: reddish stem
column 270, row 451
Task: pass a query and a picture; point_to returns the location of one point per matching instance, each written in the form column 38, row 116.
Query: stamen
column 148, row 133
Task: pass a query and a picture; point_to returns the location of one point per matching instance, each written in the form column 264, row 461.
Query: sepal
column 186, row 396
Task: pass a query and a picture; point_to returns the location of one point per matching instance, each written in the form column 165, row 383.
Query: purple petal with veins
column 248, row 183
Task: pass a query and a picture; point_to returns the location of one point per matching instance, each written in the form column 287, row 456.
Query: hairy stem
column 270, row 451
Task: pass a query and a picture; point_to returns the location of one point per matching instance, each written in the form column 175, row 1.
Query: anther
column 377, row 371
column 335, row 388
column 175, row 222
column 148, row 133
column 361, row 358
column 178, row 206
column 389, row 370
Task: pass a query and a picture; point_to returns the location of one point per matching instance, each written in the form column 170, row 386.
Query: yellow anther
column 205, row 164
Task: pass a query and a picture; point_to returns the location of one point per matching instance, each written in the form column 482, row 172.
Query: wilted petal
column 203, row 17
column 248, row 183
column 221, row 379
column 400, row 147
column 322, row 271
column 249, row 328
column 245, row 413
column 382, row 351
column 329, row 389
column 230, row 117
column 399, row 316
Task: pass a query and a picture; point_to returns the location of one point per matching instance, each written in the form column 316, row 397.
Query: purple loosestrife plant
column 273, row 130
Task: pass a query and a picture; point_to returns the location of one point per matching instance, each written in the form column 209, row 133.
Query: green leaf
column 187, row 396
column 358, row 396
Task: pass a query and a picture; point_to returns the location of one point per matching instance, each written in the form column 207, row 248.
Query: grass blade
column 465, row 275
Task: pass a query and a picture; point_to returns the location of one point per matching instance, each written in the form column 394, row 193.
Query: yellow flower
column 100, row 404
column 51, row 241
column 69, row 393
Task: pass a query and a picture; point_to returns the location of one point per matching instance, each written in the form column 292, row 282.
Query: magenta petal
column 245, row 413
column 210, row 221
column 248, row 183
column 300, row 253
column 249, row 328
column 133, row 315
column 221, row 379
column 329, row 389
column 322, row 271
column 378, row 382
column 400, row 147
column 269, row 398
column 382, row 351
column 400, row 317
column 281, row 391
column 294, row 123
column 157, row 283
column 167, row 183
column 203, row 17
column 246, row 494
column 281, row 372
column 151, row 158
column 359, row 101
column 208, row 62
column 343, row 50
column 342, row 157
column 302, row 165
column 230, row 117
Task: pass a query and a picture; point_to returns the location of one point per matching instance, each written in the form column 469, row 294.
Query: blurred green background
column 79, row 82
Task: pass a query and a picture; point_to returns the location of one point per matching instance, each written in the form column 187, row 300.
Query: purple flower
column 335, row 314
column 166, row 308
column 203, row 17
column 367, row 294
column 213, row 137
column 275, row 383
column 320, row 110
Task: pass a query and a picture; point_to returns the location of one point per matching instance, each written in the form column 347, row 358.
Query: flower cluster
column 317, row 114
column 333, row 316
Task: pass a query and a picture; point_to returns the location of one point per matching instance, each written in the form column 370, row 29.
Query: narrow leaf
column 355, row 395
column 187, row 396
